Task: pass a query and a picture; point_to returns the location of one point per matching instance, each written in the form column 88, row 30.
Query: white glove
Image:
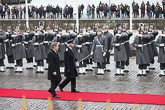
column 25, row 42
column 6, row 40
column 79, row 46
column 13, row 45
column 78, row 50
column 7, row 33
column 104, row 53
column 36, row 34
column 36, row 43
column 110, row 51
column 161, row 45
column 117, row 44
column 140, row 45
column 91, row 53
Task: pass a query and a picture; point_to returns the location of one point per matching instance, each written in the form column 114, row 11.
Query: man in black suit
column 54, row 74
column 70, row 68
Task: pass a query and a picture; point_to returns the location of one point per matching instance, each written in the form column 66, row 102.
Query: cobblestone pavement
column 108, row 83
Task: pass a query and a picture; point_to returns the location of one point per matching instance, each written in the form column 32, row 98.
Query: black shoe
column 61, row 89
column 56, row 96
column 139, row 74
column 50, row 91
column 117, row 74
column 75, row 91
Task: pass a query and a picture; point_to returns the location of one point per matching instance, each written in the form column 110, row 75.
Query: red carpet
column 86, row 96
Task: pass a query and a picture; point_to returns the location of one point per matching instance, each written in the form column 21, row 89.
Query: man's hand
column 54, row 73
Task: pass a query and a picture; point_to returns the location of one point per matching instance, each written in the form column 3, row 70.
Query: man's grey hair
column 54, row 44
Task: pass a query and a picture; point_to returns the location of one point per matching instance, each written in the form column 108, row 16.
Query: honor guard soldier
column 99, row 51
column 89, row 41
column 9, row 48
column 154, row 49
column 62, row 39
column 151, row 53
column 19, row 50
column 127, row 46
column 46, row 44
column 161, row 56
column 55, row 29
column 29, row 47
column 2, row 50
column 120, row 55
column 142, row 52
column 108, row 36
column 70, row 68
column 39, row 51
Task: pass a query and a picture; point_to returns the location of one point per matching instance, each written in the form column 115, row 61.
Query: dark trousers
column 1, row 62
column 10, row 59
column 83, row 63
column 152, row 61
column 120, row 64
column 62, row 64
column 29, row 60
column 143, row 66
column 162, row 66
column 100, row 65
column 66, row 81
column 127, row 62
column 40, row 62
column 54, row 85
column 19, row 63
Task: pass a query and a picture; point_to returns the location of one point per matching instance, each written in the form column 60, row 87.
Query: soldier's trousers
column 62, row 64
column 152, row 61
column 10, row 59
column 29, row 60
column 83, row 63
column 66, row 81
column 120, row 64
column 19, row 63
column 127, row 62
column 143, row 66
column 2, row 62
column 162, row 66
column 101, row 65
column 40, row 62
column 89, row 61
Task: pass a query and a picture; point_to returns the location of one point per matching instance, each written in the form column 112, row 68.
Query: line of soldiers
column 91, row 49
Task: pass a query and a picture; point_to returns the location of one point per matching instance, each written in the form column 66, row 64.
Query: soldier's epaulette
column 66, row 49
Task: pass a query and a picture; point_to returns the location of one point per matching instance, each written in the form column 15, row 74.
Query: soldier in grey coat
column 29, row 47
column 153, row 34
column 2, row 50
column 61, row 39
column 19, row 50
column 120, row 55
column 108, row 36
column 127, row 47
column 161, row 56
column 39, row 51
column 99, row 51
column 89, row 42
column 9, row 48
column 82, row 51
column 142, row 51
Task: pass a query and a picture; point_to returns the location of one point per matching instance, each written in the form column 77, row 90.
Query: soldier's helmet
column 8, row 27
column 81, row 31
column 151, row 26
column 38, row 29
column 100, row 30
column 163, row 29
column 60, row 29
column 146, row 28
column 17, row 29
column 27, row 28
column 74, row 28
column 47, row 28
column 88, row 28
column 124, row 26
column 105, row 27
column 119, row 28
column 56, row 27
column 67, row 28
column 141, row 29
